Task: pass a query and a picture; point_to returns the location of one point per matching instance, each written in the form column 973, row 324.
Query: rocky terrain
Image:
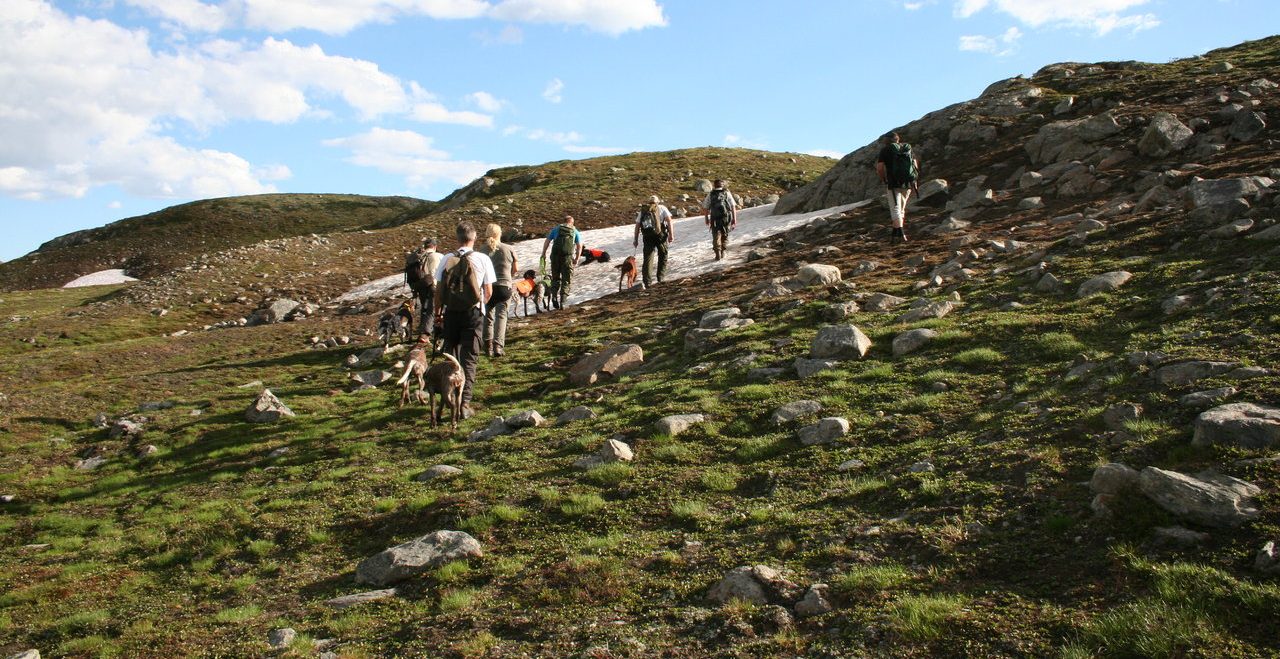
column 1047, row 425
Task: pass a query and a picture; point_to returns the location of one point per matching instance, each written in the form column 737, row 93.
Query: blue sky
column 115, row 108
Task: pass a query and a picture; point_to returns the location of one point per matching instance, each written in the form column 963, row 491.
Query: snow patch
column 100, row 278
column 688, row 256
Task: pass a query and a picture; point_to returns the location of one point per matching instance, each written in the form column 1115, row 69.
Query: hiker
column 565, row 243
column 466, row 283
column 720, row 213
column 590, row 256
column 654, row 223
column 503, row 257
column 419, row 266
column 898, row 170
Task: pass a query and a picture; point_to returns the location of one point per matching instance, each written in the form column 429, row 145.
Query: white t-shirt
column 706, row 203
column 663, row 214
column 481, row 267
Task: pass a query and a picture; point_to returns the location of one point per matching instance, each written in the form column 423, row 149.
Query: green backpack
column 721, row 208
column 651, row 226
column 566, row 238
column 902, row 164
column 461, row 289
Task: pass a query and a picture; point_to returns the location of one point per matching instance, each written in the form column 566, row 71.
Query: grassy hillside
column 159, row 242
column 954, row 519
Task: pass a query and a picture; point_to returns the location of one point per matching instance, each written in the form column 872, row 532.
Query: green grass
column 1059, row 345
column 721, row 479
column 578, row 505
column 925, row 617
column 979, row 358
column 238, row 614
column 610, row 474
column 873, row 578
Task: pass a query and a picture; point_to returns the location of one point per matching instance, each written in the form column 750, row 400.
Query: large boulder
column 1247, row 125
column 416, row 556
column 1183, row 373
column 273, row 312
column 818, row 274
column 759, row 584
column 840, row 342
column 677, row 423
column 1209, row 499
column 266, row 408
column 1113, row 478
column 716, row 318
column 1165, row 135
column 607, row 363
column 1246, row 425
column 1207, row 193
column 1104, row 282
column 1069, row 140
column 825, row 431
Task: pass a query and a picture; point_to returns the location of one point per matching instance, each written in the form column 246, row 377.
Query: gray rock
column 282, row 638
column 808, row 367
column 155, row 406
column 266, row 408
column 1030, row 204
column 346, row 601
column 1102, row 283
column 839, row 342
column 794, row 410
column 1179, row 536
column 578, row 413
column 125, row 428
column 699, row 340
column 933, row 192
column 26, row 654
column 1165, row 135
column 145, row 451
column 838, row 312
column 758, row 253
column 525, row 419
column 758, row 584
column 416, row 556
column 1207, row 193
column 814, row 602
column 825, row 431
column 951, row 225
column 1030, row 180
column 850, row 465
column 1049, row 283
column 1210, row 499
column 1249, row 372
column 765, row 374
column 437, row 472
column 912, row 340
column 975, row 193
column 818, row 274
column 921, row 467
column 1176, row 303
column 1201, row 399
column 936, row 309
column 882, row 302
column 1267, row 560
column 1184, row 373
column 1117, row 416
column 1247, row 125
column 1247, row 425
column 371, row 378
column 497, row 427
column 90, row 464
column 1232, row 229
column 612, row 451
column 607, row 363
column 677, row 423
column 714, row 319
column 1113, row 478
column 703, row 185
column 1087, row 226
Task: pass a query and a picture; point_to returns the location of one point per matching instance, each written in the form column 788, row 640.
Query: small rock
column 882, row 302
column 1246, row 425
column 824, row 431
column 1113, row 478
column 814, row 602
column 677, row 423
column 1103, row 283
column 1268, row 558
column 266, row 408
column 90, row 464
column 794, row 410
column 1049, row 283
column 1116, row 416
column 360, row 598
column 437, row 472
column 1208, row 499
column 808, row 367
column 924, row 466
column 1206, row 398
column 612, row 451
column 280, row 639
column 912, row 340
column 1183, row 373
column 525, row 419
column 416, row 556
column 931, row 310
column 579, row 413
column 1179, row 536
column 148, row 450
column 840, row 341
column 850, row 465
column 607, row 363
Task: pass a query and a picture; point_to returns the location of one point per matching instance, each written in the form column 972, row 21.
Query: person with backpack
column 494, row 336
column 419, row 266
column 565, row 243
column 720, row 213
column 653, row 222
column 466, row 280
column 898, row 169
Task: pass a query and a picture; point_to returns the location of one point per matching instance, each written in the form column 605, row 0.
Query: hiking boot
column 467, row 411
column 497, row 350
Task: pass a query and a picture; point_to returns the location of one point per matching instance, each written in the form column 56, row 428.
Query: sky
column 116, row 108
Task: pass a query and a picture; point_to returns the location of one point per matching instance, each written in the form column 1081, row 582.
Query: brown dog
column 444, row 378
column 627, row 272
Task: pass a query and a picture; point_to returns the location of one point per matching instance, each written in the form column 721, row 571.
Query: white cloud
column 508, row 35
column 554, row 137
column 826, row 153
column 612, row 17
column 741, row 142
column 485, row 101
column 408, row 154
column 596, row 150
column 608, row 16
column 993, row 45
column 435, row 113
column 912, row 6
column 553, row 92
column 1101, row 16
column 115, row 204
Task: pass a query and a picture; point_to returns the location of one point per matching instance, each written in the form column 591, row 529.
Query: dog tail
column 408, row 368
column 452, row 359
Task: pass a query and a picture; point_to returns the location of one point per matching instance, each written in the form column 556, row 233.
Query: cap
column 655, row 200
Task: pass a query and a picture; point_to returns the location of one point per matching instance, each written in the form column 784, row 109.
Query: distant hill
column 158, row 242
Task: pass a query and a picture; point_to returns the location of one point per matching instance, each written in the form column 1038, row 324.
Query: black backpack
column 461, row 289
column 415, row 269
column 721, row 208
column 902, row 163
column 651, row 226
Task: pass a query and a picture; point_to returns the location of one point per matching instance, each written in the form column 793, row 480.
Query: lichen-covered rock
column 677, row 423
column 912, row 340
column 266, row 408
column 1247, row 425
column 840, row 342
column 1109, row 281
column 607, row 363
column 1209, row 499
column 416, row 556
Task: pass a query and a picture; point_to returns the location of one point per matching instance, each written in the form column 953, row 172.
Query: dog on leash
column 627, row 272
column 396, row 324
column 530, row 288
column 444, row 378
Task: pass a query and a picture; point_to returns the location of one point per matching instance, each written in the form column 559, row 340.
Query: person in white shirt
column 653, row 222
column 460, row 301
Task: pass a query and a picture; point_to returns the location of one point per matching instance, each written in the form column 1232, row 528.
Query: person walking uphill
column 466, row 283
column 720, row 212
column 565, row 243
column 419, row 268
column 898, row 169
column 503, row 257
column 653, row 222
